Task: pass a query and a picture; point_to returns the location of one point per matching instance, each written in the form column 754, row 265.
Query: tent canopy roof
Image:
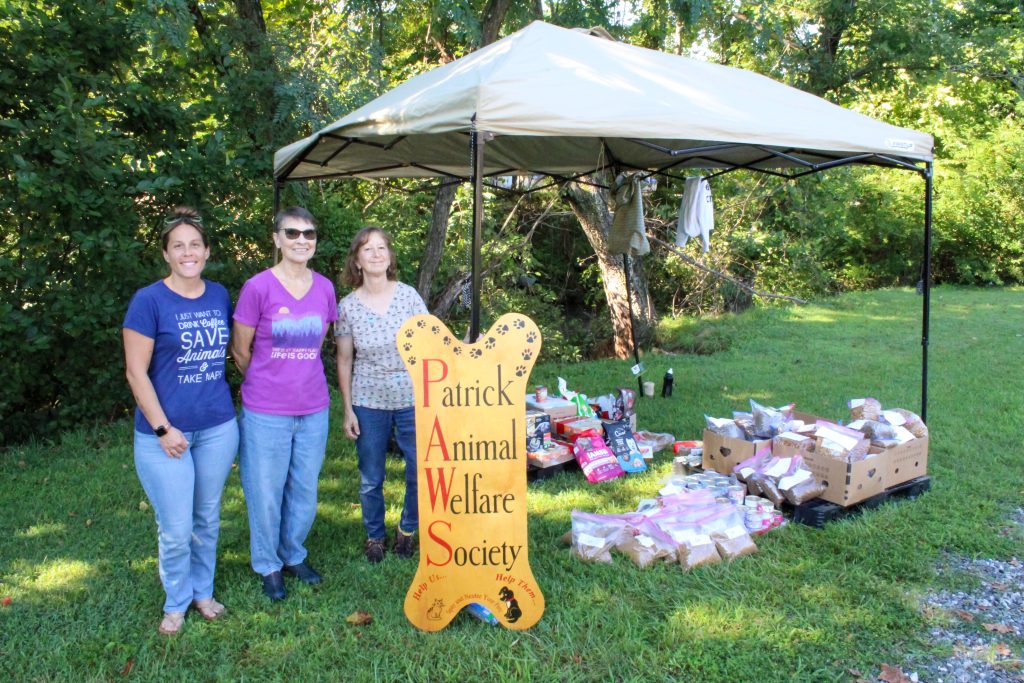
column 560, row 101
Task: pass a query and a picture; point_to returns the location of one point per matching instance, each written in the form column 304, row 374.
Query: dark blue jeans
column 371, row 446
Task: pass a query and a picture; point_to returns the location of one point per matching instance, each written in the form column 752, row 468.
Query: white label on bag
column 786, row 483
column 591, row 541
column 779, row 468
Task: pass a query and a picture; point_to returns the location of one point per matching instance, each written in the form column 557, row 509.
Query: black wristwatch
column 161, row 430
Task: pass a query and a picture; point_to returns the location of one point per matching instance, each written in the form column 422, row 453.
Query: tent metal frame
column 477, row 143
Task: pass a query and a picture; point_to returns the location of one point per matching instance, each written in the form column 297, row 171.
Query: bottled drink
column 666, row 384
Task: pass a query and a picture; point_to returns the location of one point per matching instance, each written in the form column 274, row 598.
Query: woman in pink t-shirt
column 280, row 322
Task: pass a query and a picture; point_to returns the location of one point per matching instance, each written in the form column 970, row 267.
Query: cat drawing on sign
column 435, row 610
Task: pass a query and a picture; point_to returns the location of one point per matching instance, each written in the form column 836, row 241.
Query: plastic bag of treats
column 695, row 548
column 769, row 421
column 763, row 485
column 627, row 397
column 798, row 485
column 745, row 469
column 595, row 458
column 645, row 543
column 723, row 426
column 881, row 434
column 734, row 542
column 593, row 535
column 864, row 408
column 843, row 443
column 658, row 440
column 910, row 421
column 619, row 437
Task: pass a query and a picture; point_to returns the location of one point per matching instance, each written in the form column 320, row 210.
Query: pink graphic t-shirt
column 286, row 373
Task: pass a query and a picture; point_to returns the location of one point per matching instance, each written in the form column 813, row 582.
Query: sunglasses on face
column 293, row 233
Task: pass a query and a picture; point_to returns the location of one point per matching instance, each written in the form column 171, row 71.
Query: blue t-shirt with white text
column 190, row 342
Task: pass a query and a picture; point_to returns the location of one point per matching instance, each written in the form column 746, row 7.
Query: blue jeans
column 280, row 458
column 185, row 494
column 371, row 446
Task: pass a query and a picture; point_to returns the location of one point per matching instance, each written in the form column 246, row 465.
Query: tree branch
column 720, row 275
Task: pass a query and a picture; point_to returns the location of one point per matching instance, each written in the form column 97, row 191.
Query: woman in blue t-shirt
column 175, row 346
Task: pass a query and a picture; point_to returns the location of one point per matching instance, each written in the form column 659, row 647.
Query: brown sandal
column 210, row 609
column 171, row 624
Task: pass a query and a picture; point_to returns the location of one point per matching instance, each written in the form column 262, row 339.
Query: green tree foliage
column 112, row 112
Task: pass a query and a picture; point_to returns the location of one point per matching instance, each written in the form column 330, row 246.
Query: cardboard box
column 553, row 406
column 850, row 483
column 907, row 461
column 722, row 453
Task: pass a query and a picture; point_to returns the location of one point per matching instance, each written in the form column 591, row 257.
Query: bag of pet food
column 723, row 426
column 798, row 485
column 619, row 437
column 746, row 468
column 900, row 417
column 593, row 535
column 769, row 421
column 645, row 543
column 597, row 461
column 864, row 408
column 734, row 542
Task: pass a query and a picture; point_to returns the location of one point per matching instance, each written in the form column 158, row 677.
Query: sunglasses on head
column 293, row 233
column 174, row 221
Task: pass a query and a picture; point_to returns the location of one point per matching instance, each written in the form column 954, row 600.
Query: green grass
column 78, row 555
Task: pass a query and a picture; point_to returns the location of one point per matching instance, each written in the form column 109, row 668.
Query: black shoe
column 375, row 548
column 405, row 544
column 303, row 572
column 273, row 586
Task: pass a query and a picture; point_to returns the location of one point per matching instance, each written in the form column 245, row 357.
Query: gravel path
column 984, row 625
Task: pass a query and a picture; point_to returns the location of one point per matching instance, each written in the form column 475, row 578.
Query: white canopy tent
column 564, row 103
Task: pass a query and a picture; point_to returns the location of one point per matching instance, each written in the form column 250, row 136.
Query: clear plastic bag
column 723, row 426
column 734, row 542
column 593, row 535
column 769, row 421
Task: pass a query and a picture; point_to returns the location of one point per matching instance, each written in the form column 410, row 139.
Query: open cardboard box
column 722, row 453
column 850, row 483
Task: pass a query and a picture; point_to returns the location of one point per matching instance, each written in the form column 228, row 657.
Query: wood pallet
column 534, row 473
column 818, row 512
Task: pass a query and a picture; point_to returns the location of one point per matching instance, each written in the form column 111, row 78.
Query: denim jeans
column 280, row 457
column 185, row 493
column 371, row 446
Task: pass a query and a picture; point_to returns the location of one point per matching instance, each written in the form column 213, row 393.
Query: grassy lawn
column 78, row 552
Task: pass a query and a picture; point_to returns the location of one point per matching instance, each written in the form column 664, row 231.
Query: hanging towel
column 628, row 235
column 696, row 213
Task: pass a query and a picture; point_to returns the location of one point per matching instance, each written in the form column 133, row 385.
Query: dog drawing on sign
column 512, row 611
column 435, row 610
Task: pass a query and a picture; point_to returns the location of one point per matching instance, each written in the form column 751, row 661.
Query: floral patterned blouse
column 379, row 378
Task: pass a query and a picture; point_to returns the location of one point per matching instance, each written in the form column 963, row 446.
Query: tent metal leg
column 632, row 322
column 277, row 207
column 926, row 288
column 476, row 150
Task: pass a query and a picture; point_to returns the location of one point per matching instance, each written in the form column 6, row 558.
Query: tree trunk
column 590, row 204
column 491, row 19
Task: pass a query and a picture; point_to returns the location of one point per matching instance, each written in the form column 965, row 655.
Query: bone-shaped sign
column 471, row 471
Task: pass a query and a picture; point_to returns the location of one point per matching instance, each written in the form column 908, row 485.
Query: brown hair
column 352, row 274
column 182, row 215
column 296, row 212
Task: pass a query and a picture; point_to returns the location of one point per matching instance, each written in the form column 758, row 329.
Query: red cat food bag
column 595, row 458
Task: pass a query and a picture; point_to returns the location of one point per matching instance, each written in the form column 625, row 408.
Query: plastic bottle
column 666, row 384
column 482, row 613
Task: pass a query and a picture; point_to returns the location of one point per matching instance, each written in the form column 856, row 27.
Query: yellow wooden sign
column 471, row 469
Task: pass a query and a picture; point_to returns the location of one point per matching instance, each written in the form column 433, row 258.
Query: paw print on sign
column 502, row 329
column 457, row 350
column 490, row 342
column 412, row 360
column 421, row 324
column 520, row 370
column 520, row 323
column 435, row 329
column 407, row 346
column 408, row 334
column 531, row 337
column 527, row 354
column 476, row 353
column 447, row 341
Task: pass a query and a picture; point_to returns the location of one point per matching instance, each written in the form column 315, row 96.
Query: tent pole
column 476, row 150
column 277, row 208
column 632, row 322
column 926, row 288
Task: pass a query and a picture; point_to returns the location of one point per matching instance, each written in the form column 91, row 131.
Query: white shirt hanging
column 696, row 213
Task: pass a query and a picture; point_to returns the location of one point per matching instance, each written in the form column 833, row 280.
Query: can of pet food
column 736, row 493
column 542, row 393
column 752, row 520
